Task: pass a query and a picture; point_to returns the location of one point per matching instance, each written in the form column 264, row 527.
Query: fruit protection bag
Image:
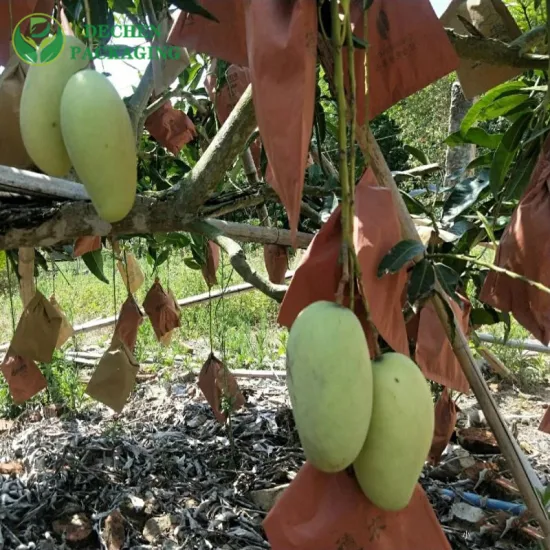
column 320, row 511
column 23, row 377
column 212, row 262
column 276, row 262
column 523, row 249
column 115, row 376
column 128, row 323
column 545, row 422
column 445, row 419
column 66, row 330
column 161, row 309
column 38, row 329
column 376, row 231
column 167, row 338
column 217, row 382
column 131, row 273
column 83, row 245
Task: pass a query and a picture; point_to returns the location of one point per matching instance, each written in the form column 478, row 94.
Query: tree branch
column 239, row 262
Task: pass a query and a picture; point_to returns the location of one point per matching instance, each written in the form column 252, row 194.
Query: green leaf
column 464, row 195
column 450, row 315
column 417, row 154
column 414, row 206
column 485, row 316
column 520, row 179
column 102, row 18
column 94, row 262
column 480, row 162
column 193, row 6
column 191, row 263
column 493, row 104
column 488, row 227
column 399, row 255
column 422, row 281
column 506, row 151
column 448, row 278
column 477, row 136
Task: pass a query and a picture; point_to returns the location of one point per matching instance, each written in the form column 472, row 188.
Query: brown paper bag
column 86, row 244
column 215, row 382
column 282, row 56
column 320, row 511
column 12, row 149
column 115, row 376
column 66, row 330
column 408, row 50
column 38, row 329
column 545, row 422
column 132, row 277
column 128, row 323
column 161, row 309
column 23, row 377
column 493, row 20
column 376, row 231
column 276, row 262
column 171, row 127
column 523, row 249
column 212, row 262
column 434, row 354
column 445, row 419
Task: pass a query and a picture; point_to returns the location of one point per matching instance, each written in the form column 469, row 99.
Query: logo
column 42, row 41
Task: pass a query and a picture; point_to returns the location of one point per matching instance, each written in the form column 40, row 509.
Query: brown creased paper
column 493, row 20
column 23, row 377
column 171, row 127
column 167, row 338
column 376, row 231
column 113, row 380
column 434, row 354
column 545, row 422
column 212, row 262
column 524, row 249
column 131, row 273
column 38, row 329
column 320, row 511
column 128, row 323
column 445, row 412
column 215, row 382
column 83, row 245
column 162, row 310
column 66, row 330
column 12, row 149
column 276, row 262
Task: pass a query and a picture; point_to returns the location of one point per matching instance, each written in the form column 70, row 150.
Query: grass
column 244, row 329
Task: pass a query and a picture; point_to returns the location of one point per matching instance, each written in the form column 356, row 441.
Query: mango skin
column 400, row 433
column 98, row 134
column 329, row 379
column 40, row 104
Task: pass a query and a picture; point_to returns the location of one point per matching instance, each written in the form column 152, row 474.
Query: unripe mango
column 400, row 433
column 329, row 379
column 98, row 134
column 40, row 104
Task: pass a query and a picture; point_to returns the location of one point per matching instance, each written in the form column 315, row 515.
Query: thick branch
column 239, row 262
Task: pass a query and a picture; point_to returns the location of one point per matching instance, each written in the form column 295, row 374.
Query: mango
column 39, row 109
column 400, row 433
column 329, row 380
column 98, row 134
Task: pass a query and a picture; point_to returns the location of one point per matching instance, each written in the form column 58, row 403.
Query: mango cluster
column 72, row 116
column 374, row 415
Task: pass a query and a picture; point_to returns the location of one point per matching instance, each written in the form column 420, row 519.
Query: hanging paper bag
column 66, row 330
column 167, row 338
column 86, row 244
column 276, row 262
column 115, row 376
column 38, row 329
column 212, row 262
column 128, row 323
column 131, row 273
column 545, row 422
column 445, row 412
column 161, row 309
column 217, row 382
column 23, row 377
column 320, row 511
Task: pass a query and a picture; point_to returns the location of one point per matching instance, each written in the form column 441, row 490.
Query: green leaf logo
column 26, row 39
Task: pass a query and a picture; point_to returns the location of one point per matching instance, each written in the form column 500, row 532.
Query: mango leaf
column 488, row 227
column 448, row 278
column 414, row 206
column 506, row 151
column 494, row 103
column 464, row 194
column 520, row 179
column 481, row 161
column 193, row 6
column 94, row 262
column 102, row 17
column 161, row 258
column 450, row 315
column 417, row 154
column 486, row 316
column 477, row 136
column 191, row 263
column 399, row 255
column 421, row 282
